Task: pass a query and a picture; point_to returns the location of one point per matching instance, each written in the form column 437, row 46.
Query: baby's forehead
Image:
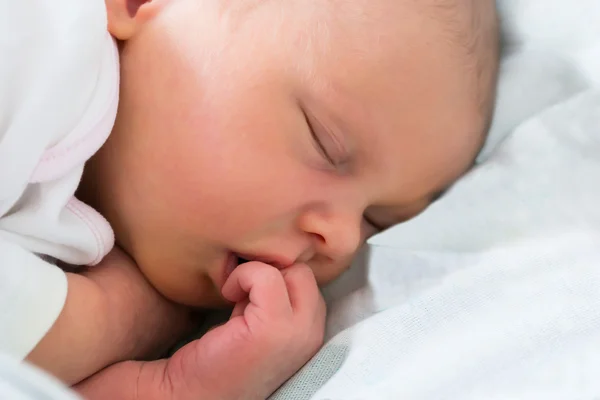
column 383, row 68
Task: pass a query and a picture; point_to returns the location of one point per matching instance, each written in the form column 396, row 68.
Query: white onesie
column 59, row 76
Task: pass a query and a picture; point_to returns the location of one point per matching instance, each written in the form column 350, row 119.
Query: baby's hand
column 276, row 326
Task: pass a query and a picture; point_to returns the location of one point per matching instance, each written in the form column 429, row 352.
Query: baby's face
column 240, row 137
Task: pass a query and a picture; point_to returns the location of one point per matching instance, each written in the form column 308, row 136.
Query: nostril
column 320, row 238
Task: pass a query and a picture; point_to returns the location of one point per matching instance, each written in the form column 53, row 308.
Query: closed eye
column 317, row 142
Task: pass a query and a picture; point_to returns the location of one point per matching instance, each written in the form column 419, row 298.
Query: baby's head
column 285, row 131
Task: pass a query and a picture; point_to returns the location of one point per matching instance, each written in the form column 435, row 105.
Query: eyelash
column 320, row 147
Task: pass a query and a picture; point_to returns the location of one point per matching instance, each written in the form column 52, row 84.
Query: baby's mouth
column 241, row 260
column 234, row 261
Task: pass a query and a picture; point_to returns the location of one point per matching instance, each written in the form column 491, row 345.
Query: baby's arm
column 111, row 314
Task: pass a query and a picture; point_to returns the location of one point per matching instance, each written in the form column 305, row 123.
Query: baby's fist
column 277, row 325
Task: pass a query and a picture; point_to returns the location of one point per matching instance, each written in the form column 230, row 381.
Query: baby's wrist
column 162, row 380
column 134, row 380
column 120, row 381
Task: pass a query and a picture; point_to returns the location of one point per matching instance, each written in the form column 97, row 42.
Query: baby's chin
column 204, row 298
column 194, row 291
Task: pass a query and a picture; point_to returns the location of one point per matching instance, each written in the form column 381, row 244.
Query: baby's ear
column 125, row 17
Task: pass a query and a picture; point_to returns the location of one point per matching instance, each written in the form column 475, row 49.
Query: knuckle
column 254, row 266
column 264, row 271
column 269, row 272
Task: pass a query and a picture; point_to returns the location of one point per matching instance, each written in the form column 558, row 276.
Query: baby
column 256, row 145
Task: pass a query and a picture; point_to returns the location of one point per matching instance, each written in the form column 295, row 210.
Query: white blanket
column 494, row 292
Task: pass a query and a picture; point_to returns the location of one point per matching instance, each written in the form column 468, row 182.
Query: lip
column 220, row 275
column 231, row 261
column 276, row 262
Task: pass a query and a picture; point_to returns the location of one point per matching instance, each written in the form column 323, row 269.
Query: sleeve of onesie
column 32, row 291
column 32, row 295
column 37, row 38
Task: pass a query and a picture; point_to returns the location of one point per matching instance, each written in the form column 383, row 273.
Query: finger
column 262, row 284
column 239, row 308
column 214, row 327
column 302, row 288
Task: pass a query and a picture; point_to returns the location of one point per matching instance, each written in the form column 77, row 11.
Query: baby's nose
column 335, row 236
column 343, row 239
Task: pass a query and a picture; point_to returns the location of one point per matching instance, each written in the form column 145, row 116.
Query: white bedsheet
column 494, row 292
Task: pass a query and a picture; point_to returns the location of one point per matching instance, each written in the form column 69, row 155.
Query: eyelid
column 334, row 152
column 317, row 140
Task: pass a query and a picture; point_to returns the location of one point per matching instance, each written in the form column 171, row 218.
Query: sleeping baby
column 237, row 153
